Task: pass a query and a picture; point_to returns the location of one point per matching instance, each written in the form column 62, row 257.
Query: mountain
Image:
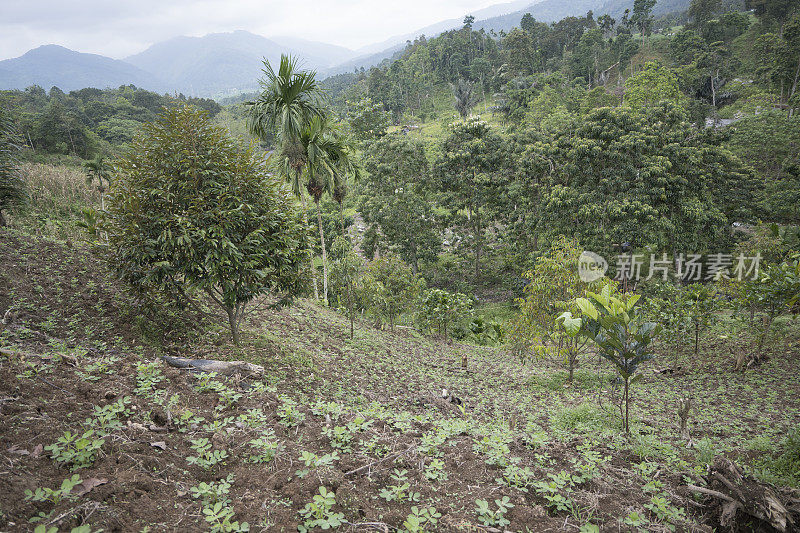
column 324, row 53
column 53, row 65
column 227, row 63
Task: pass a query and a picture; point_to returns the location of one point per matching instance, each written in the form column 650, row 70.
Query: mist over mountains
column 225, row 64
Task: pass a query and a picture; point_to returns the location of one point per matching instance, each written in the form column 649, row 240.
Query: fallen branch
column 714, row 493
column 379, row 461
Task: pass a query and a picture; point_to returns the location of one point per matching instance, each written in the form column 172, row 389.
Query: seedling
column 400, row 491
column 422, row 519
column 206, row 456
column 319, row 513
column 76, row 451
column 496, row 518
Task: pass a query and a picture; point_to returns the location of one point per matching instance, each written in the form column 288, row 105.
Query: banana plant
column 616, row 326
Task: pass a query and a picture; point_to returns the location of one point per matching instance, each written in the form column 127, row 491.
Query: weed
column 665, row 512
column 516, row 477
column 54, row 496
column 212, row 493
column 148, row 375
column 106, row 418
column 340, row 437
column 556, row 491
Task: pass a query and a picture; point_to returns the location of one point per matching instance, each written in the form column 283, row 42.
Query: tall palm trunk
column 348, row 281
column 310, row 252
column 324, row 255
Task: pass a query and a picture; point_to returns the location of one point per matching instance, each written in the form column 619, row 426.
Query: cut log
column 737, row 502
column 225, row 368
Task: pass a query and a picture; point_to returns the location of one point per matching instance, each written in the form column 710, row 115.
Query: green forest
column 538, row 280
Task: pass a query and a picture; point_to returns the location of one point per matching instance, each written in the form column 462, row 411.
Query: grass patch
column 583, row 419
column 558, row 380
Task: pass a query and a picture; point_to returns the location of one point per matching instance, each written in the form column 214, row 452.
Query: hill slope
column 167, row 444
column 53, row 65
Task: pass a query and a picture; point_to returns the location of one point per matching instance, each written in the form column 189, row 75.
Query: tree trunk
column 310, row 252
column 796, row 77
column 324, row 256
column 626, row 423
column 349, row 282
column 3, row 222
column 233, row 319
column 713, row 95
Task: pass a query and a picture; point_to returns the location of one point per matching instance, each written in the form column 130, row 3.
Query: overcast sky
column 119, row 28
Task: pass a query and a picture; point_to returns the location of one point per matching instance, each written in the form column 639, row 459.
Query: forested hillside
column 86, row 122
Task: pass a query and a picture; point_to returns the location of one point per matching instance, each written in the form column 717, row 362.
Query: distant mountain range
column 224, row 64
column 51, row 65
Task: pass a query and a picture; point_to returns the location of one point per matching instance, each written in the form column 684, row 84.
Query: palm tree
column 328, row 162
column 100, row 171
column 289, row 100
column 465, row 97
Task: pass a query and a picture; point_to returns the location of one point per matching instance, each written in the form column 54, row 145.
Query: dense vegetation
column 89, row 121
column 445, row 214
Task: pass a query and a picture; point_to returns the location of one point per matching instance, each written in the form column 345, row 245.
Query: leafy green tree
column 686, row 45
column 520, row 51
column 367, row 119
column 606, row 23
column 651, row 86
column 700, row 302
column 668, row 307
column 620, row 331
column 779, row 166
column 390, row 288
column 772, row 11
column 701, row 11
column 715, row 62
column 469, row 172
column 192, row 211
column 346, row 270
column 776, row 290
column 12, row 186
column 443, row 310
column 393, row 198
column 647, row 179
column 642, row 16
column 288, row 101
column 553, row 285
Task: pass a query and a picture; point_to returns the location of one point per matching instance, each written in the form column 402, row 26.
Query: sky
column 118, row 28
